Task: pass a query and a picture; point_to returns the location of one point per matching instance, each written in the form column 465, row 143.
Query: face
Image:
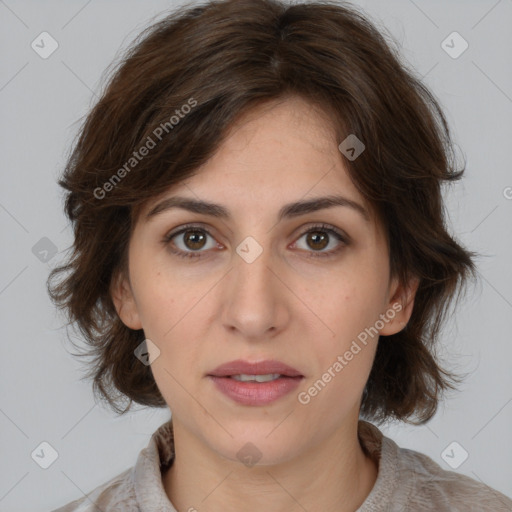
column 300, row 288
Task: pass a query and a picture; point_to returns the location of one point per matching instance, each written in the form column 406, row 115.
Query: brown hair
column 221, row 59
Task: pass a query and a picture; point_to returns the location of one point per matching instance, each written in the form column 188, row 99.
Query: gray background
column 42, row 397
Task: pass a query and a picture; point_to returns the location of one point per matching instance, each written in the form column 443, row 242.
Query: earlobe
column 400, row 307
column 124, row 302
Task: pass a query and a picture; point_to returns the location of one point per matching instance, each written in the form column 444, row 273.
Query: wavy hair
column 222, row 58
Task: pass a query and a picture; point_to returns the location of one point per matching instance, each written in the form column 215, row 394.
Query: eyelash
column 339, row 235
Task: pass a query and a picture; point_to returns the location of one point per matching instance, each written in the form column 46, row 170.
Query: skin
column 285, row 305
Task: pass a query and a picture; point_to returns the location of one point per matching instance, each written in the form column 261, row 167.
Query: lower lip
column 256, row 393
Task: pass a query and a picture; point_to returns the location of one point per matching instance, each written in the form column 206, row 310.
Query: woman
column 260, row 246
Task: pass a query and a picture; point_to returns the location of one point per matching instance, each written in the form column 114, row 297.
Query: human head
column 188, row 79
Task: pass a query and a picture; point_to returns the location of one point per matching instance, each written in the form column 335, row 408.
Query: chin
column 254, row 446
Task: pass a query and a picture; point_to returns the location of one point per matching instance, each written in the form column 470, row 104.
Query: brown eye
column 190, row 242
column 317, row 240
column 194, row 239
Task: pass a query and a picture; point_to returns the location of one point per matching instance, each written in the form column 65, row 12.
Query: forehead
column 289, row 135
column 276, row 153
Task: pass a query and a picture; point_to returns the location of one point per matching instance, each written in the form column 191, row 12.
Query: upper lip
column 240, row 367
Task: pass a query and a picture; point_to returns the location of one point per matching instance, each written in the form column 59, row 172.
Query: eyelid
column 190, row 226
column 322, row 226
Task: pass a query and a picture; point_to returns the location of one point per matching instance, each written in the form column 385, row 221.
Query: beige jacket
column 407, row 481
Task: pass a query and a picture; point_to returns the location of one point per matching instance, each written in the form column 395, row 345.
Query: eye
column 191, row 241
column 321, row 236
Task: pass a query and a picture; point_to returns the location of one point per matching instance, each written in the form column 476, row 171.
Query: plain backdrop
column 42, row 101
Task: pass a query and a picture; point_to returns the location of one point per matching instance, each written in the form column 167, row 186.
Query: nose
column 255, row 299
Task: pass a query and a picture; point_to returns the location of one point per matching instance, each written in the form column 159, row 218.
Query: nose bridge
column 252, row 273
column 253, row 262
column 254, row 300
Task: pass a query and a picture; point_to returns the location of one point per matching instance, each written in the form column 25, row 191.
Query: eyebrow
column 288, row 211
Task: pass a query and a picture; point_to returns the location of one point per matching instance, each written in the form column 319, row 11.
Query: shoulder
column 430, row 487
column 115, row 495
column 139, row 487
column 410, row 480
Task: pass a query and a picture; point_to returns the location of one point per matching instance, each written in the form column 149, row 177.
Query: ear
column 124, row 301
column 400, row 306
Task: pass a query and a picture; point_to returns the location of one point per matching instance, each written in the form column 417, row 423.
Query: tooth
column 258, row 378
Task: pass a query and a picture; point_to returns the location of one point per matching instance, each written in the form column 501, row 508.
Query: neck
column 334, row 476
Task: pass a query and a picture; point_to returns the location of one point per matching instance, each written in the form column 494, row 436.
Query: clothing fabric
column 407, row 481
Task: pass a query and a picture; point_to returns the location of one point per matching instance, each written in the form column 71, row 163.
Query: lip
column 260, row 368
column 255, row 393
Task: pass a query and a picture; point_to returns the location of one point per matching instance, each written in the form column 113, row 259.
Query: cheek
column 170, row 310
column 169, row 316
column 351, row 307
column 163, row 297
column 157, row 306
column 344, row 357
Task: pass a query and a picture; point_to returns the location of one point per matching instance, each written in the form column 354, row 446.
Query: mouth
column 269, row 377
column 255, row 383
column 263, row 371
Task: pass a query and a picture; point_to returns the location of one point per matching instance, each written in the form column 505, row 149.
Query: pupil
column 315, row 236
column 190, row 238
